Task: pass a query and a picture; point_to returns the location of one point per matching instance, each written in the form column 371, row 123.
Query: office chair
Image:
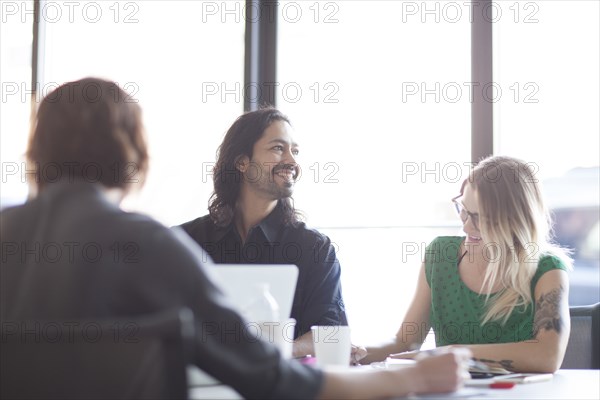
column 141, row 358
column 583, row 350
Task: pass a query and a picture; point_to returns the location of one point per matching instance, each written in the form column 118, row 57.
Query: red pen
column 502, row 385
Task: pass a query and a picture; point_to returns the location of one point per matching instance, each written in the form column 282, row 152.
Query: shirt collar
column 270, row 226
column 221, row 231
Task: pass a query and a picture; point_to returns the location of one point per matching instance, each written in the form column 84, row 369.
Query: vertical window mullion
column 482, row 116
column 37, row 50
column 261, row 53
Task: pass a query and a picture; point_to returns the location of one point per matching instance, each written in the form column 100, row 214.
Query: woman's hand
column 357, row 354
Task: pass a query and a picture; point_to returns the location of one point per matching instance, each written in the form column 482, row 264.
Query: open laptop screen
column 239, row 282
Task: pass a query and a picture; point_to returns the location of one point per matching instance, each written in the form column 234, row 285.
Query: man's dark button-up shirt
column 318, row 298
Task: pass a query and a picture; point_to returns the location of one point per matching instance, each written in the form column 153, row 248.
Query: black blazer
column 71, row 253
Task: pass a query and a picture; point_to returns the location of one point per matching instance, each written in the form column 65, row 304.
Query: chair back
column 584, row 342
column 141, row 358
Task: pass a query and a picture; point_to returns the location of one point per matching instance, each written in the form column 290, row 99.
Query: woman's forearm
column 529, row 356
column 380, row 353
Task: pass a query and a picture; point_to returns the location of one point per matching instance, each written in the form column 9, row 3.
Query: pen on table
column 492, row 385
column 502, row 385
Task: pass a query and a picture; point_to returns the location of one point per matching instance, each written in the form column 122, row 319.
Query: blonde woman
column 502, row 290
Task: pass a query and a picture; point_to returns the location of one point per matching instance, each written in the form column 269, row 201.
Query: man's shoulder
column 200, row 228
column 203, row 222
column 307, row 235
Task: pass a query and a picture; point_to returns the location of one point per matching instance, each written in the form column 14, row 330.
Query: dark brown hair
column 238, row 142
column 88, row 129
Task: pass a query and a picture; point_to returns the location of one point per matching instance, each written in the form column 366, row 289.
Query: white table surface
column 566, row 384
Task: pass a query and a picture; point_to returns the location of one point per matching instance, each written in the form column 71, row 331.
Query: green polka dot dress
column 456, row 311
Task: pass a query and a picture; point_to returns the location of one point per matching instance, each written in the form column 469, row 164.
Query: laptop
column 239, row 283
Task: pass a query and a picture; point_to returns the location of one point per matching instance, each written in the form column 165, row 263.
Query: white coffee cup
column 332, row 345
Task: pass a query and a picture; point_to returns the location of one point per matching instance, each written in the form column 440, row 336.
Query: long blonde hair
column 517, row 228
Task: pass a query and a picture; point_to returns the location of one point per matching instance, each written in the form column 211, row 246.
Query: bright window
column 378, row 92
column 16, row 36
column 184, row 62
column 547, row 58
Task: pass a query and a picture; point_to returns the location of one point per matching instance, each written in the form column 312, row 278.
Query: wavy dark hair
column 227, row 179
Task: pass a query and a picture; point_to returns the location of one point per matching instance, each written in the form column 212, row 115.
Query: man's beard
column 266, row 182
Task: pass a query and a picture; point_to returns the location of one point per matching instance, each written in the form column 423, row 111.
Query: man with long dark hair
column 252, row 219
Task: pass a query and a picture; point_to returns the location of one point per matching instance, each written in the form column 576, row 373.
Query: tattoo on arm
column 547, row 315
column 506, row 364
